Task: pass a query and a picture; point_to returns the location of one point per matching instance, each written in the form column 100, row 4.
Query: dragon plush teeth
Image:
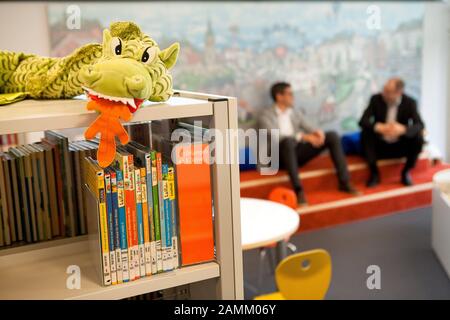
column 133, row 104
column 118, row 76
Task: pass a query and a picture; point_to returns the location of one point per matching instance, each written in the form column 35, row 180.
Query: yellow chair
column 302, row 276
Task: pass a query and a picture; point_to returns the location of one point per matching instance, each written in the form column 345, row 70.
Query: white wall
column 448, row 86
column 23, row 27
column 434, row 102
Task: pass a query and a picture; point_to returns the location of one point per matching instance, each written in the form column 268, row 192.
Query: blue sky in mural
column 324, row 49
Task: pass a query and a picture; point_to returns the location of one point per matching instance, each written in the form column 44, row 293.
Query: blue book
column 115, row 215
column 109, row 212
column 140, row 225
column 174, row 213
column 167, row 219
column 122, row 226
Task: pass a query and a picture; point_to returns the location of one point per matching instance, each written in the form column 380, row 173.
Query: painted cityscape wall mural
column 325, row 49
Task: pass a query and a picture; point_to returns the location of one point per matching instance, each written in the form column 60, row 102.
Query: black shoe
column 374, row 180
column 406, row 179
column 348, row 188
column 301, row 199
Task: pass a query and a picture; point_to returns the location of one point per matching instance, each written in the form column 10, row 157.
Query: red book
column 130, row 207
column 194, row 204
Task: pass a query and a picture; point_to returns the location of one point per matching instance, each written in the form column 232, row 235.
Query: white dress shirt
column 391, row 116
column 392, row 110
column 285, row 124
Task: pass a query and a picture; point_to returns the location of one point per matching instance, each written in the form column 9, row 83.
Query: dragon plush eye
column 116, row 46
column 149, row 55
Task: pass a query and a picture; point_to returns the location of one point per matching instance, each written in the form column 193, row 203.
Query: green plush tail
column 43, row 77
column 9, row 62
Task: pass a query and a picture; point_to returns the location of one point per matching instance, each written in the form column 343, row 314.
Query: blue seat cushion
column 351, row 143
column 247, row 159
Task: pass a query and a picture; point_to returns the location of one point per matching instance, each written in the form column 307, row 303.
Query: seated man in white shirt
column 300, row 141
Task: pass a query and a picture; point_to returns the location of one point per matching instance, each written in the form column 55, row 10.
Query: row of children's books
column 136, row 206
column 153, row 214
column 40, row 190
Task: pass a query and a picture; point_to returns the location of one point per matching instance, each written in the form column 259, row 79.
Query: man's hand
column 381, row 128
column 390, row 131
column 320, row 135
column 315, row 138
column 398, row 129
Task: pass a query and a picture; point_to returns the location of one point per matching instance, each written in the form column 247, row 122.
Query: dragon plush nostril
column 135, row 83
column 89, row 75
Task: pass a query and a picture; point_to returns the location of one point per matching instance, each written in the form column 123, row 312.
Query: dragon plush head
column 132, row 68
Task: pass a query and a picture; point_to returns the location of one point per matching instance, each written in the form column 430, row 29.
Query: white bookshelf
column 48, row 280
column 38, row 115
column 440, row 220
column 38, row 271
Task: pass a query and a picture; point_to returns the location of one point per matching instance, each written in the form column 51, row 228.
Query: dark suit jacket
column 407, row 114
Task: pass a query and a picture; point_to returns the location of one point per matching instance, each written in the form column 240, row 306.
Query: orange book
column 193, row 180
column 145, row 222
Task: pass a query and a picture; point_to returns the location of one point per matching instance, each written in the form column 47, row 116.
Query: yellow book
column 96, row 183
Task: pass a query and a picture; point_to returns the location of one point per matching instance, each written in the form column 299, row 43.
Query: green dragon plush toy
column 118, row 76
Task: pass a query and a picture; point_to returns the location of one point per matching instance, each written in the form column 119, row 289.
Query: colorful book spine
column 163, row 215
column 96, row 181
column 112, row 251
column 146, row 223
column 122, row 227
column 142, row 159
column 115, row 211
column 139, row 218
column 174, row 213
column 168, row 216
column 104, row 229
column 155, row 196
column 130, row 203
column 148, row 167
column 162, row 224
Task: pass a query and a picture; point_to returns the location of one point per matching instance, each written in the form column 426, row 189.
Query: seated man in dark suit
column 300, row 141
column 391, row 128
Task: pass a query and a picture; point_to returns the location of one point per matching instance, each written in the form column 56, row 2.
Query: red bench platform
column 327, row 206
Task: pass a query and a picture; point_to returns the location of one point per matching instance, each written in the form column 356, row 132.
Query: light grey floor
column 399, row 244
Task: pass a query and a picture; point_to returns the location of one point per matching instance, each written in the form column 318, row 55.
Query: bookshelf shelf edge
column 32, row 116
column 21, row 283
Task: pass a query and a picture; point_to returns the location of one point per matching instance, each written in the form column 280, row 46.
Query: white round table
column 266, row 222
